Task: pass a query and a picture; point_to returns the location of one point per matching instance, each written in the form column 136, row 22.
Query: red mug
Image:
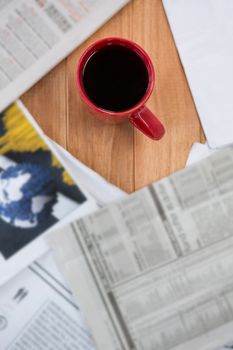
column 139, row 115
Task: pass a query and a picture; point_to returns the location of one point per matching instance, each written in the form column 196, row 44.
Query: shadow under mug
column 139, row 115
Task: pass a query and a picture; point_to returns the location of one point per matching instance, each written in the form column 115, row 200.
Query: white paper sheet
column 202, row 31
column 101, row 190
column 36, row 35
column 199, row 151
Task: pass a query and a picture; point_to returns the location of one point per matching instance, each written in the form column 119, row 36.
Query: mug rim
column 90, row 50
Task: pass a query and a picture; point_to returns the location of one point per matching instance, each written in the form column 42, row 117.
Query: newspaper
column 37, row 193
column 37, row 34
column 37, row 302
column 154, row 271
column 42, row 290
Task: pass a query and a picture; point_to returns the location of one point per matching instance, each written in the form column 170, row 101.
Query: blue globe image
column 27, row 194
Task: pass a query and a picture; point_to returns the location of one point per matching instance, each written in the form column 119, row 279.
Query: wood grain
column 47, row 102
column 120, row 153
column 171, row 100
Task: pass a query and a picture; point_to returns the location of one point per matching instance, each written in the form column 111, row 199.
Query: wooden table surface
column 122, row 154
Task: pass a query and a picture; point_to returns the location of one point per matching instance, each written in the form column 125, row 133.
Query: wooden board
column 120, row 153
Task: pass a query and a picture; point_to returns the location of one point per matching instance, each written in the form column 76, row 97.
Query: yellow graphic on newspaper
column 35, row 190
column 20, row 136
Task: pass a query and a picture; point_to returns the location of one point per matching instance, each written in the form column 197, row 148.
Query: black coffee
column 115, row 78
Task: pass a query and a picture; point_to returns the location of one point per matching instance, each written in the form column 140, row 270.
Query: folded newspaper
column 37, row 34
column 154, row 271
column 37, row 311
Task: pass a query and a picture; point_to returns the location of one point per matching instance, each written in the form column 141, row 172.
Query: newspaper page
column 37, row 192
column 37, row 34
column 37, row 311
column 155, row 270
column 42, row 291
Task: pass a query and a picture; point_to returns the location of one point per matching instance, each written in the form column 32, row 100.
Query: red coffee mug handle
column 146, row 121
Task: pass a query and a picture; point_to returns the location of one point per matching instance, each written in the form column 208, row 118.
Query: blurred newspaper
column 37, row 34
column 154, row 271
column 37, row 311
column 41, row 290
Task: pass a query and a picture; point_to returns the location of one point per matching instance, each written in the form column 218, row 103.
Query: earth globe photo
column 27, row 194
